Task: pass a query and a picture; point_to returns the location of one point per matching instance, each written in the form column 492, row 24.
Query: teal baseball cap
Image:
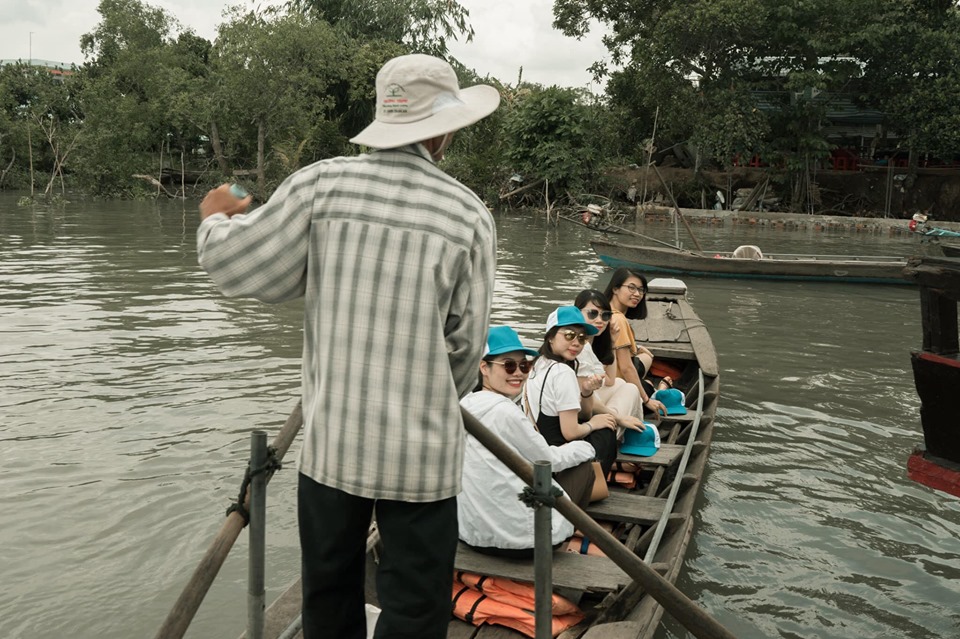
column 570, row 316
column 672, row 399
column 503, row 339
column 644, row 443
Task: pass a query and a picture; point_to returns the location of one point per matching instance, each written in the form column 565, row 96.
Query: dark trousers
column 604, row 441
column 415, row 576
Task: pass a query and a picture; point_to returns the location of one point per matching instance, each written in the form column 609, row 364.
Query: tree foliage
column 549, row 135
column 422, row 26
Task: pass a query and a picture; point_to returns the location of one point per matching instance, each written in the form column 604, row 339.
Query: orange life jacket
column 476, row 608
column 515, row 593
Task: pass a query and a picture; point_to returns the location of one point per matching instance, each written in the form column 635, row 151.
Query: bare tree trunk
column 183, row 176
column 160, row 174
column 30, row 149
column 261, row 153
column 218, row 149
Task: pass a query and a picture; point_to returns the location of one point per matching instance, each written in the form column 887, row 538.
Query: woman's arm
column 573, row 430
column 629, row 374
column 610, row 374
column 624, row 421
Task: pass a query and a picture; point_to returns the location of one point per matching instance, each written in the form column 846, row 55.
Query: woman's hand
column 603, row 420
column 655, row 405
column 614, row 328
column 631, row 422
column 590, row 384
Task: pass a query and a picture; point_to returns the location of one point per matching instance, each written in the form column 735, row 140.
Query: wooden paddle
column 693, row 617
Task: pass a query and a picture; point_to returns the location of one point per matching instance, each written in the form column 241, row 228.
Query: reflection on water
column 131, row 386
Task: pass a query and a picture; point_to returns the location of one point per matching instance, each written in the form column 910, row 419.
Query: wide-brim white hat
column 418, row 98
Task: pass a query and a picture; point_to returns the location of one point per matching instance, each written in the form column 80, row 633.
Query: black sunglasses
column 511, row 366
column 593, row 313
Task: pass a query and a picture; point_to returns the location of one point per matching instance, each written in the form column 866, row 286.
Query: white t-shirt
column 590, row 364
column 561, row 392
column 489, row 512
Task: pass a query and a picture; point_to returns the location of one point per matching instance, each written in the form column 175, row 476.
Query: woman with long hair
column 627, row 291
column 491, row 518
column 615, row 396
column 556, row 399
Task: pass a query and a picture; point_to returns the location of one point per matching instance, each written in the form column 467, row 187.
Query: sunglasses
column 574, row 335
column 510, row 366
column 593, row 313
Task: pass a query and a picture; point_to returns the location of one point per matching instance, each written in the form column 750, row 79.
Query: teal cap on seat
column 644, row 443
column 672, row 399
column 503, row 339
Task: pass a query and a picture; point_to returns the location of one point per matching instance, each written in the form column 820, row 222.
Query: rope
column 270, row 466
column 535, row 500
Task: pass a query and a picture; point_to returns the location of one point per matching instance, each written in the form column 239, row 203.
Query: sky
column 510, row 34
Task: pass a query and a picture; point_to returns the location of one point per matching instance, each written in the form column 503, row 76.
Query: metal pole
column 543, row 552
column 258, row 532
column 31, row 48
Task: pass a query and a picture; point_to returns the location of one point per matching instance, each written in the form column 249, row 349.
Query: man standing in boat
column 396, row 262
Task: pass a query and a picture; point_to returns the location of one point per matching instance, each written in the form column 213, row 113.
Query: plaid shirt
column 396, row 261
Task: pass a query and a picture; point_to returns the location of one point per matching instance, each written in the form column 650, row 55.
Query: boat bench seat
column 570, row 570
column 626, row 507
column 666, row 456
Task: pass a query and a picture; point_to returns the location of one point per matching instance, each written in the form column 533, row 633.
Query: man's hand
column 221, row 200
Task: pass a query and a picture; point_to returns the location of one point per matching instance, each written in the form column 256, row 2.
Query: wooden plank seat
column 666, row 456
column 570, row 570
column 626, row 507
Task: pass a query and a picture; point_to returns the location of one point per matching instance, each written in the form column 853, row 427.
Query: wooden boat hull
column 950, row 249
column 615, row 607
column 675, row 334
column 654, row 260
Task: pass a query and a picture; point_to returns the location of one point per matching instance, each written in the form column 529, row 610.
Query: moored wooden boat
column 822, row 268
column 950, row 249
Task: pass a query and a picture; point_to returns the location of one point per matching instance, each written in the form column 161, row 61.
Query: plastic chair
column 748, row 252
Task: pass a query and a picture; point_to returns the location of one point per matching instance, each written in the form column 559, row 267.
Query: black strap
column 469, row 616
column 271, row 465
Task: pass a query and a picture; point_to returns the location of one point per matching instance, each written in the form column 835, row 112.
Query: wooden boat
column 949, row 249
column 752, row 264
column 654, row 520
column 936, row 373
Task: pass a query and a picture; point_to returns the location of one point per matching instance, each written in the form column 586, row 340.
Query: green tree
column 910, row 53
column 128, row 87
column 41, row 123
column 549, row 134
column 721, row 71
column 286, row 84
column 423, row 26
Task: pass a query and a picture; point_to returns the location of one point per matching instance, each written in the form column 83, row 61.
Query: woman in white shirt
column 491, row 517
column 557, row 400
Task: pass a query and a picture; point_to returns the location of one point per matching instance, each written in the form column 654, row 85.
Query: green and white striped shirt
column 396, row 261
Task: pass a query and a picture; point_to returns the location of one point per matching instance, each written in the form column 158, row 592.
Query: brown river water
column 129, row 387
